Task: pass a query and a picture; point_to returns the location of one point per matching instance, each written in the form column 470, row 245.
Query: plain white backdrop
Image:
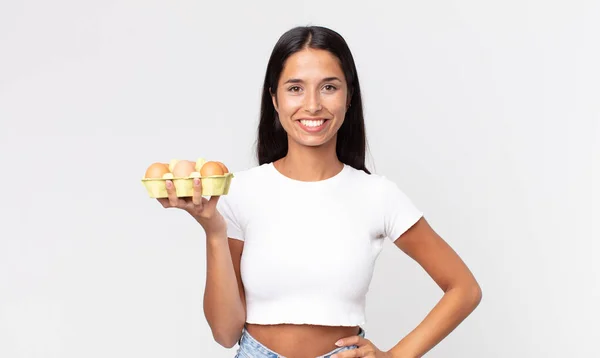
column 487, row 114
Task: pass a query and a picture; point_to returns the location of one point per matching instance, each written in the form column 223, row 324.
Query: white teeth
column 310, row 123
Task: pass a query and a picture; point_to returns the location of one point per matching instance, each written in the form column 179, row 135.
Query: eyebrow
column 327, row 79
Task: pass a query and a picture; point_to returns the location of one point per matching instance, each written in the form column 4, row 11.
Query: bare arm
column 224, row 303
column 462, row 293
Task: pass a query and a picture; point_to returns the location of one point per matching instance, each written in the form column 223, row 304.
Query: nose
column 313, row 102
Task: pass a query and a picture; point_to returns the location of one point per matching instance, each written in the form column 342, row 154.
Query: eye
column 330, row 88
column 294, row 89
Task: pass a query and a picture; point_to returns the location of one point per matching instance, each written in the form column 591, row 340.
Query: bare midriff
column 300, row 341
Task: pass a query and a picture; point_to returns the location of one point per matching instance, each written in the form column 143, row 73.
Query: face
column 312, row 97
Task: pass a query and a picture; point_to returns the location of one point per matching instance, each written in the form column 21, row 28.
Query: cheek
column 337, row 104
column 289, row 105
column 339, row 109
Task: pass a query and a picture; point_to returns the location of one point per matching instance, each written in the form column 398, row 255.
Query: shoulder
column 243, row 187
column 247, row 180
column 380, row 187
column 250, row 175
column 374, row 181
column 253, row 171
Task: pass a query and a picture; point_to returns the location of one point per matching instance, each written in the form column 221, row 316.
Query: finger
column 211, row 204
column 197, row 194
column 185, row 204
column 364, row 351
column 350, row 341
column 172, row 195
column 164, row 202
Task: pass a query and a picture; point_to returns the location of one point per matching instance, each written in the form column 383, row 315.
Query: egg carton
column 214, row 185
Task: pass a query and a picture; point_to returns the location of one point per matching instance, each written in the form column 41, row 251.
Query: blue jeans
column 249, row 347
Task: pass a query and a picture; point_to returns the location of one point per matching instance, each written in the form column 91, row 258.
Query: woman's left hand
column 365, row 348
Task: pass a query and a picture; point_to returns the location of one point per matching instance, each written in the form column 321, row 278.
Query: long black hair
column 272, row 142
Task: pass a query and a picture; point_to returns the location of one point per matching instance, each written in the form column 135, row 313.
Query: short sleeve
column 399, row 212
column 227, row 208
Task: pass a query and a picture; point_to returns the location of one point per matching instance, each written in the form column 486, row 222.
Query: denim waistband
column 249, row 346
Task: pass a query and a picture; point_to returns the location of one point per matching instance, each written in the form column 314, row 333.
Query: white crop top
column 310, row 247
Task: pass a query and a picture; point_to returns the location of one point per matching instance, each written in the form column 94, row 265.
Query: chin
column 313, row 143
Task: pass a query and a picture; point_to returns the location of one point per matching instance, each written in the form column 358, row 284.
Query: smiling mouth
column 312, row 123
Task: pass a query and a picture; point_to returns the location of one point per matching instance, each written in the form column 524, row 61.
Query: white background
column 487, row 114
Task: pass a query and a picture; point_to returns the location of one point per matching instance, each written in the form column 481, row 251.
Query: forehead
column 310, row 64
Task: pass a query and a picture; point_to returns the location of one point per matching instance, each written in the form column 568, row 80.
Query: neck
column 310, row 163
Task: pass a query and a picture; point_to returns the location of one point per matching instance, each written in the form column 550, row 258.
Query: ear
column 273, row 98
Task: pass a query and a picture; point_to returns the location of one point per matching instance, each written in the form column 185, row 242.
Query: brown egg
column 156, row 170
column 211, row 168
column 225, row 170
column 183, row 168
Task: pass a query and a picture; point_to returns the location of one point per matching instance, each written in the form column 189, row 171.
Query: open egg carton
column 214, row 176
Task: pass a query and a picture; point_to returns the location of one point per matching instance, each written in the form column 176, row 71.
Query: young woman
column 291, row 248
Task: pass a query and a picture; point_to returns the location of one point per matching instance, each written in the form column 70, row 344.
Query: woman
column 291, row 248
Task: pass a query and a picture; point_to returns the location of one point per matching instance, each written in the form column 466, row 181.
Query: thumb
column 212, row 202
